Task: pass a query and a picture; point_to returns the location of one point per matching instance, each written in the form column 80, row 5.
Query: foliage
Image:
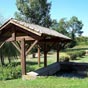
column 60, row 26
column 64, row 57
column 9, row 51
column 75, row 26
column 71, row 55
column 34, row 11
column 74, row 54
column 82, row 40
column 10, row 72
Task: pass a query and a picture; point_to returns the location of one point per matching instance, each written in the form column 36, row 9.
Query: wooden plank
column 34, row 43
column 16, row 47
column 23, row 57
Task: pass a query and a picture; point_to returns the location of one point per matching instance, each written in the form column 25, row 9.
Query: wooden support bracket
column 34, row 43
column 2, row 44
column 16, row 47
column 38, row 55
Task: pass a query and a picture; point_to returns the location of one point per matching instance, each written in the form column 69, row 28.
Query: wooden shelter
column 27, row 36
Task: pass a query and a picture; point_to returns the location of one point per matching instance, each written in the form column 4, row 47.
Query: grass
column 46, row 82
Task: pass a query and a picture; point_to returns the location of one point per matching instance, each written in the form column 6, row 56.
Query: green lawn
column 47, row 82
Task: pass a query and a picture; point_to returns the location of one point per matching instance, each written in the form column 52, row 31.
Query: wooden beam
column 23, row 57
column 38, row 55
column 26, row 38
column 16, row 47
column 34, row 43
column 18, row 38
column 45, row 55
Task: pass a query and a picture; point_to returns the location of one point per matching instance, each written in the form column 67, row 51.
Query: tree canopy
column 75, row 27
column 60, row 26
column 34, row 11
column 71, row 28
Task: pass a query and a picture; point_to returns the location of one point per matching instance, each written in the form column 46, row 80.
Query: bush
column 73, row 55
column 64, row 57
column 10, row 72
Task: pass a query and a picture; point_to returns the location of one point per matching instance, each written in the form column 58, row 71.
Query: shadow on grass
column 71, row 74
column 13, row 64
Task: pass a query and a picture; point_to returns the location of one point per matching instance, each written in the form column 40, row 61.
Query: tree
column 75, row 28
column 60, row 26
column 7, row 50
column 34, row 11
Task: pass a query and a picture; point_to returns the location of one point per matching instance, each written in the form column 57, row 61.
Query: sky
column 59, row 9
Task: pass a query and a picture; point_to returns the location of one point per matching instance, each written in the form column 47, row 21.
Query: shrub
column 73, row 55
column 64, row 57
column 10, row 72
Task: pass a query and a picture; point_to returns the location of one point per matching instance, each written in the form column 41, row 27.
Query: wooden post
column 57, row 53
column 45, row 55
column 23, row 57
column 38, row 55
